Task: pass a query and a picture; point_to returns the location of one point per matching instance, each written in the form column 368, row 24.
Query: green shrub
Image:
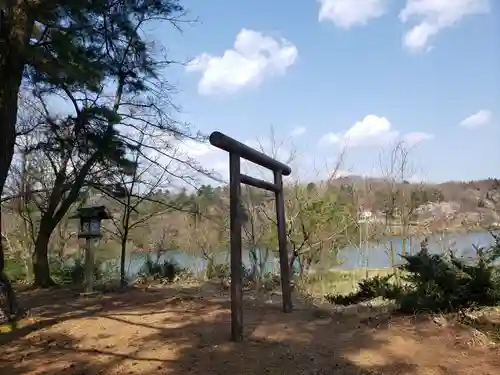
column 215, row 270
column 222, row 273
column 15, row 269
column 221, row 270
column 368, row 289
column 270, row 281
column 437, row 283
column 72, row 271
column 156, row 270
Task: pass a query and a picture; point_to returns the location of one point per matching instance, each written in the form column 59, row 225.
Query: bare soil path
column 172, row 330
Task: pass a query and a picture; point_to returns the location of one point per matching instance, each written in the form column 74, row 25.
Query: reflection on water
column 374, row 255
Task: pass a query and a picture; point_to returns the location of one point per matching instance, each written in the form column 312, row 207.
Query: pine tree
column 75, row 47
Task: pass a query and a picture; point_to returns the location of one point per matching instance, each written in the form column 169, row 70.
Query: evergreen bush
column 436, row 282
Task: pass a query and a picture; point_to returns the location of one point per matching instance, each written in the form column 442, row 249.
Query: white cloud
column 208, row 156
column 415, row 138
column 370, row 131
column 416, row 179
column 373, row 131
column 478, row 119
column 432, row 16
column 348, row 13
column 194, row 148
column 330, row 138
column 254, row 56
column 299, row 130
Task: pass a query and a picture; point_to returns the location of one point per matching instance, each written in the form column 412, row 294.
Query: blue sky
column 354, row 74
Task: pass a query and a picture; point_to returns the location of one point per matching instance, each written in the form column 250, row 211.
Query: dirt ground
column 173, row 330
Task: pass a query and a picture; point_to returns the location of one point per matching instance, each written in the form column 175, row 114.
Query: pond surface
column 378, row 254
column 371, row 255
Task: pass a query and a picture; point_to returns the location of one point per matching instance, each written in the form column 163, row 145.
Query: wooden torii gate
column 238, row 150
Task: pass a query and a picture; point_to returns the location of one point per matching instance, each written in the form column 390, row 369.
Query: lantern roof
column 95, row 212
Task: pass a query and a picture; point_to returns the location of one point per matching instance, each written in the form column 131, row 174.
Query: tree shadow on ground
column 48, row 307
column 186, row 331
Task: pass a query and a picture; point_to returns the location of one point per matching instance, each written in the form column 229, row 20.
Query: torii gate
column 238, row 150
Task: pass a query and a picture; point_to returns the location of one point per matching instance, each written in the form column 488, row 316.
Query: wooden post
column 89, row 266
column 283, row 251
column 236, row 244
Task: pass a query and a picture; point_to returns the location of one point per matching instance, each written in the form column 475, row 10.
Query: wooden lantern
column 90, row 221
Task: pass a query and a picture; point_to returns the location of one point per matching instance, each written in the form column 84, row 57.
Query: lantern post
column 90, row 229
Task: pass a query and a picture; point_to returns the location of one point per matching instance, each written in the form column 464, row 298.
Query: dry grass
column 173, row 330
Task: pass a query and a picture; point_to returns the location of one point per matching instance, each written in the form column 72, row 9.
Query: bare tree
column 317, row 219
column 401, row 198
column 255, row 202
column 207, row 229
column 394, row 171
column 259, row 236
column 23, row 212
column 361, row 215
column 134, row 193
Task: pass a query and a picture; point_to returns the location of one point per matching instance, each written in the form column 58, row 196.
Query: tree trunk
column 293, row 258
column 11, row 70
column 2, row 253
column 59, row 203
column 123, row 280
column 9, row 89
column 10, row 80
column 12, row 309
column 252, row 255
column 263, row 262
column 15, row 29
column 41, row 268
column 307, row 266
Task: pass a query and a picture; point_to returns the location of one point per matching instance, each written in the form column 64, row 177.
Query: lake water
column 372, row 255
column 377, row 254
